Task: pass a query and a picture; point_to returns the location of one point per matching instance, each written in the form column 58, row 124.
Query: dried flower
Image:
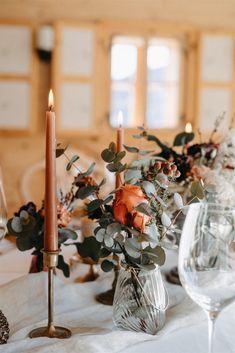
column 127, row 198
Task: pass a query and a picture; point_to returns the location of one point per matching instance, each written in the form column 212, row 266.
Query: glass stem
column 211, row 315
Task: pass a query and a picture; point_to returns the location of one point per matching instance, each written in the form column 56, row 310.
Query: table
column 23, row 300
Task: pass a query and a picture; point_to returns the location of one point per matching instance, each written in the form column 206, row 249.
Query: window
column 124, row 59
column 146, row 81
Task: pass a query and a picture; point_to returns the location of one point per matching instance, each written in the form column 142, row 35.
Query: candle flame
column 120, row 118
column 188, row 128
column 50, row 100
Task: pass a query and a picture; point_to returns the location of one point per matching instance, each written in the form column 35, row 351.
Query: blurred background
column 162, row 63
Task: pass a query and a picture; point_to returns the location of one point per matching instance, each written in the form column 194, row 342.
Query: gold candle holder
column 50, row 259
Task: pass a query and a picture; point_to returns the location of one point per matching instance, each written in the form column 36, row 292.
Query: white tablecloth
column 24, row 302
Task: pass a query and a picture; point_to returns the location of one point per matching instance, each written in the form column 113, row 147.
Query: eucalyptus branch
column 73, row 164
column 175, row 218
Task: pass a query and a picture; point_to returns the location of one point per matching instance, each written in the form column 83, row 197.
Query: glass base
column 51, row 332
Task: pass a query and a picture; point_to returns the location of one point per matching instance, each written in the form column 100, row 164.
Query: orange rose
column 128, row 197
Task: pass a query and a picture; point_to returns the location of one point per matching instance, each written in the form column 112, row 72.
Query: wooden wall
column 17, row 153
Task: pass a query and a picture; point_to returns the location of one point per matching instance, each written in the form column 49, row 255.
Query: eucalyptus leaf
column 93, row 205
column 119, row 156
column 149, row 187
column 112, row 147
column 104, row 252
column 157, row 254
column 132, row 174
column 133, row 248
column 24, row 243
column 114, row 167
column 16, row 225
column 131, row 149
column 152, row 232
column 144, row 208
column 113, row 228
column 65, row 234
column 108, row 240
column 60, row 151
column 108, row 199
column 145, row 152
column 24, row 216
column 72, row 160
column 183, row 138
column 107, row 265
column 90, row 169
column 121, row 169
column 85, row 192
column 89, row 248
column 178, row 200
column 100, row 235
column 165, row 219
column 63, row 266
column 108, row 155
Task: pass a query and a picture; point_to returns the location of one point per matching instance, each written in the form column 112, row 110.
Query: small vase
column 140, row 300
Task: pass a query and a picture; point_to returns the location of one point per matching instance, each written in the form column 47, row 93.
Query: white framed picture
column 15, row 49
column 14, row 104
column 217, row 54
column 76, row 102
column 214, row 102
column 77, row 51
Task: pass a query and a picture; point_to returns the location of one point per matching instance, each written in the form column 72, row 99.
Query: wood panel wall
column 17, row 153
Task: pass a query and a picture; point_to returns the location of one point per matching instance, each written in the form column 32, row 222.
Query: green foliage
column 107, row 265
column 157, row 255
column 183, row 138
column 60, row 150
column 63, row 266
column 90, row 169
column 145, row 209
column 28, row 228
column 71, row 162
column 89, row 248
column 108, row 155
column 85, row 191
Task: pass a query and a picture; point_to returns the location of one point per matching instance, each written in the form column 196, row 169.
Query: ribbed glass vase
column 140, row 300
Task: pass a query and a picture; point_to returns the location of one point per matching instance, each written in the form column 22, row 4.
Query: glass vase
column 140, row 300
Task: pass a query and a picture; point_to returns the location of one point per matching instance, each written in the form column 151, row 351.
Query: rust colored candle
column 50, row 226
column 119, row 144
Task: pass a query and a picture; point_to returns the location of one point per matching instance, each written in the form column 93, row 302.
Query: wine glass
column 3, row 210
column 207, row 258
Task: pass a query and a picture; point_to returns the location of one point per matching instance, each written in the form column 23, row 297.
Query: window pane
column 163, row 94
column 123, row 77
column 122, row 98
column 162, row 108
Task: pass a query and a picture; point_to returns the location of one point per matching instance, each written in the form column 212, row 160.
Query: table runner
column 24, row 302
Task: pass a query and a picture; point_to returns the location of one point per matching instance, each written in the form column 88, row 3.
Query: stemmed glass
column 3, row 210
column 207, row 259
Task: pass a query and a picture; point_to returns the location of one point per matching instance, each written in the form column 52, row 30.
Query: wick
column 50, row 108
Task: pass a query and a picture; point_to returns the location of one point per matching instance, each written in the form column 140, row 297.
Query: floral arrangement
column 27, row 226
column 132, row 221
column 192, row 156
column 219, row 180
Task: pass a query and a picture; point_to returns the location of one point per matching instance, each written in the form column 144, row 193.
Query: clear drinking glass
column 207, row 259
column 3, row 210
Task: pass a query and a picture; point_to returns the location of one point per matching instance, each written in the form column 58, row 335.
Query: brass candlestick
column 50, row 259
